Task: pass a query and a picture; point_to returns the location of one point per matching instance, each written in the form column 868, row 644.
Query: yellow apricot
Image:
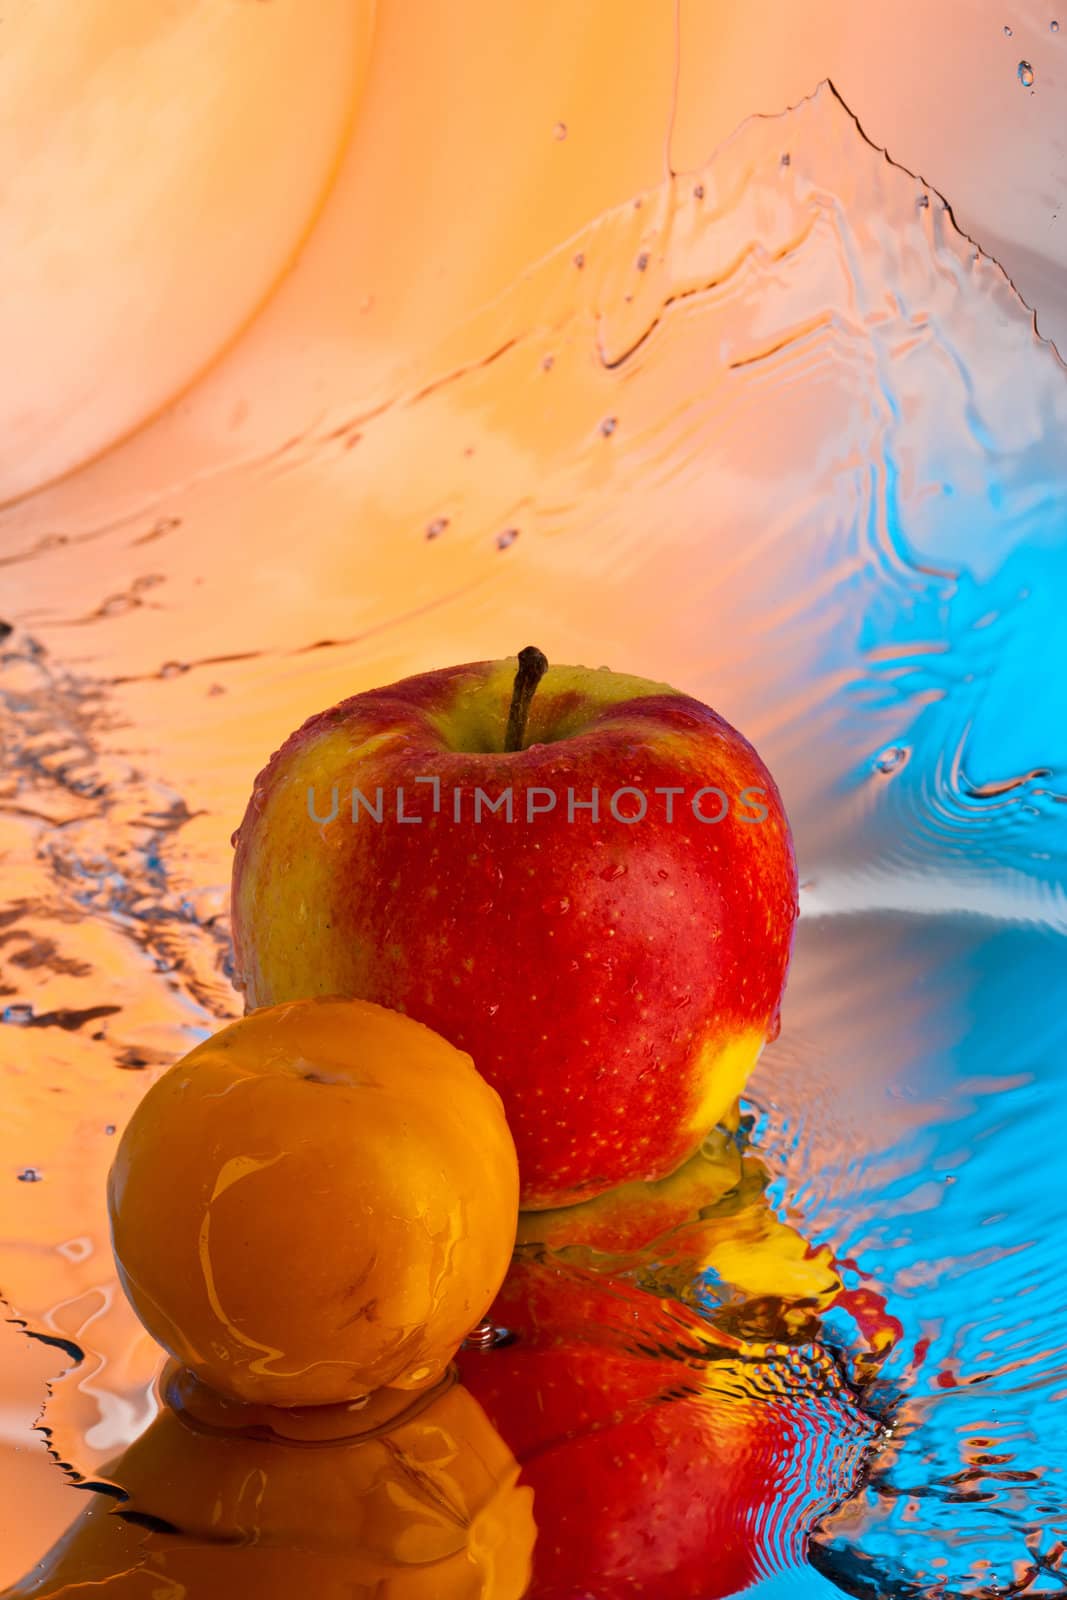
column 318, row 1201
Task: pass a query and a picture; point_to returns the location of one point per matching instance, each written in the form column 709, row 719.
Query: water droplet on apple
column 616, row 870
column 20, row 1014
column 557, row 906
column 435, row 528
column 662, row 875
column 608, row 426
column 30, row 1175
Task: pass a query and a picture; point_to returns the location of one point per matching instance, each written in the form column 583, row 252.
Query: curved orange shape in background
column 160, row 164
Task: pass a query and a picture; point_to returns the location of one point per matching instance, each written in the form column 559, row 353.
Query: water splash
column 832, row 505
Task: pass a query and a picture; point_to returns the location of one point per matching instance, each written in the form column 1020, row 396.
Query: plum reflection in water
column 831, row 502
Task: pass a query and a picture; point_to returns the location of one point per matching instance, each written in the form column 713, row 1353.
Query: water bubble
column 608, row 426
column 786, row 159
column 435, row 528
column 1053, row 26
column 173, row 669
column 642, row 261
column 75, row 1249
column 1026, row 74
column 487, row 1336
column 923, row 201
column 891, row 759
column 31, row 1175
column 560, row 130
column 20, row 1014
column 698, row 191
column 547, row 363
column 507, row 537
column 1007, row 31
column 110, row 1128
column 579, row 260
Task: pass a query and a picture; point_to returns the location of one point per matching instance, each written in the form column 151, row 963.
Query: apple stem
column 533, row 664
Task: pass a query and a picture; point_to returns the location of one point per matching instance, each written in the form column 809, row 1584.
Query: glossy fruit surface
column 316, row 1202
column 609, row 943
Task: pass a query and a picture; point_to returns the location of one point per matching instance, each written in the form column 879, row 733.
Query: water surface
column 778, row 433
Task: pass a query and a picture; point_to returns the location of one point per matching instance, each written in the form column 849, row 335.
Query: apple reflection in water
column 638, row 1477
column 617, row 1442
column 676, row 1450
column 656, row 1471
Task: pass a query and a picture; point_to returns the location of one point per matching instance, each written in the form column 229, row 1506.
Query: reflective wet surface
column 772, row 430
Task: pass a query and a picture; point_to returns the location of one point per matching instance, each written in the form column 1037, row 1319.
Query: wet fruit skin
column 614, row 980
column 426, row 1507
column 318, row 1201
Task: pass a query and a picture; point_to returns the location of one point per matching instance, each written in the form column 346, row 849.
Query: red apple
column 609, row 944
column 662, row 1464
